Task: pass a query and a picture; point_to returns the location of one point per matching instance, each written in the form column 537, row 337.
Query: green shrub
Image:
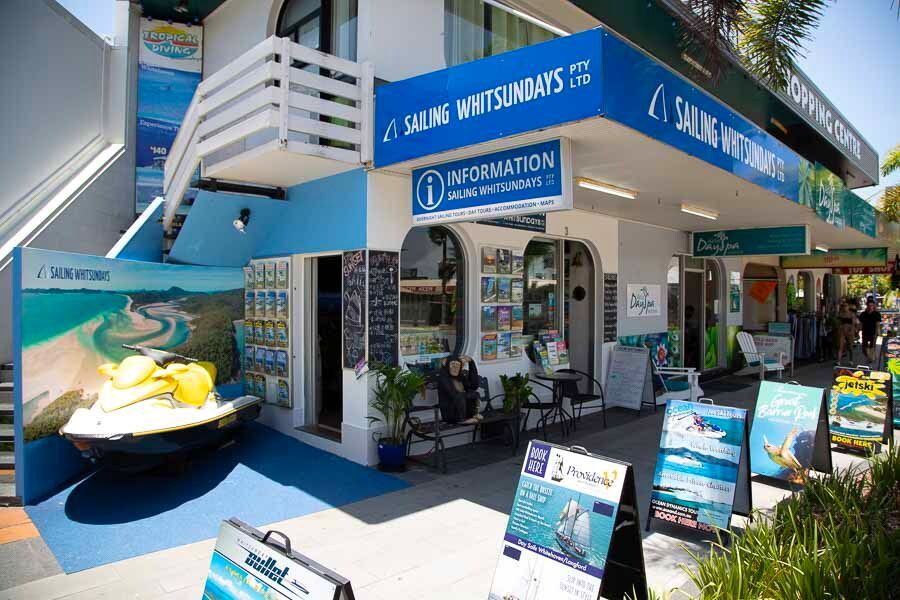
column 839, row 538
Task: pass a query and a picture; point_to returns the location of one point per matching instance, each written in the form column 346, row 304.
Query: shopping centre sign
column 518, row 181
column 523, row 90
column 846, row 257
column 761, row 241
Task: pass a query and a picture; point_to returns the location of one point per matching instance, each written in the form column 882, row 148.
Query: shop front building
column 469, row 176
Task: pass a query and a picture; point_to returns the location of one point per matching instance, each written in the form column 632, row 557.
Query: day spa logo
column 717, row 244
column 171, row 42
column 72, row 273
column 642, row 301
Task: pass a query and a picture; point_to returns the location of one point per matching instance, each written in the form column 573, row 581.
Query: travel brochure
column 858, row 408
column 267, row 331
column 501, row 287
column 561, row 525
column 783, row 438
column 697, row 465
column 550, row 350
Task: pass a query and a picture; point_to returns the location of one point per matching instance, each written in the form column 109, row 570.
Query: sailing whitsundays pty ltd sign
column 529, row 179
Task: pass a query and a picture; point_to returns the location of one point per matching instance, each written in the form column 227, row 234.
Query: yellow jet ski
column 156, row 403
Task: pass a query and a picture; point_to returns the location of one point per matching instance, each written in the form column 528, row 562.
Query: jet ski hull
column 123, row 447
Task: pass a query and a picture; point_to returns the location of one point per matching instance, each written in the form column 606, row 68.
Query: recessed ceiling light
column 699, row 211
column 821, row 247
column 599, row 186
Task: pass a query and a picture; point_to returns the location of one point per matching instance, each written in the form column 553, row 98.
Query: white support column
column 284, row 47
column 367, row 104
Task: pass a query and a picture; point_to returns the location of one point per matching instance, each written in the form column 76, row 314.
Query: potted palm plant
column 394, row 390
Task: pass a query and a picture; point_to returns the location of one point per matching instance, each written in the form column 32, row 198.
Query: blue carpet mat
column 263, row 477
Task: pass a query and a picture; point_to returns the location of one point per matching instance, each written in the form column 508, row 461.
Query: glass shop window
column 541, row 297
column 432, row 303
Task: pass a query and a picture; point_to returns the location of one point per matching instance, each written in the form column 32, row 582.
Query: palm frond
column 708, row 33
column 773, row 33
column 890, row 203
column 891, row 161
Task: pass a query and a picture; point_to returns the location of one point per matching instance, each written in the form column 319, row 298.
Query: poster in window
column 489, row 347
column 489, row 318
column 504, row 289
column 504, row 318
column 488, row 289
column 488, row 259
column 504, row 261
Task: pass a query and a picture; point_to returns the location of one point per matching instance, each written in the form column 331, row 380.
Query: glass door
column 579, row 306
column 693, row 319
column 324, row 381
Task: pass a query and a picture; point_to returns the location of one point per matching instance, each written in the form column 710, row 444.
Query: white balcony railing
column 277, row 97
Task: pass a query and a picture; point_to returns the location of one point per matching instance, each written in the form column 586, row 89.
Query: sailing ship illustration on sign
column 573, row 531
column 558, row 470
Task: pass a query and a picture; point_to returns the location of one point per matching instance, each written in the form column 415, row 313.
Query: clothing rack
column 805, row 329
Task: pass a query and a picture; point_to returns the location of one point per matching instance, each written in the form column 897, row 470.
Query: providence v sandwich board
column 702, row 472
column 573, row 531
column 858, row 409
column 247, row 565
column 789, row 435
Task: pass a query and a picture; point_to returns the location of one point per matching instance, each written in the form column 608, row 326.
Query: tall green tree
column 891, row 160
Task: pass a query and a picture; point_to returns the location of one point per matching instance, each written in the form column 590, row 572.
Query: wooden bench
column 437, row 430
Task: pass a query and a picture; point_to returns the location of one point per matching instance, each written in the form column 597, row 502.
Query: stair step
column 7, row 460
column 8, row 495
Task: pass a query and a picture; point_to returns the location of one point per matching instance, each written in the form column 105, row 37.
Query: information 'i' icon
column 429, row 185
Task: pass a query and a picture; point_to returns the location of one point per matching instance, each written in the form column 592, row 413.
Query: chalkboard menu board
column 628, row 380
column 384, row 307
column 353, row 307
column 610, row 307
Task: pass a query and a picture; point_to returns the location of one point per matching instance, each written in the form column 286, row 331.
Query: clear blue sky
column 854, row 57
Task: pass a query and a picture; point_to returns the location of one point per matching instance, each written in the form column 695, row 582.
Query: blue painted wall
column 322, row 215
column 146, row 244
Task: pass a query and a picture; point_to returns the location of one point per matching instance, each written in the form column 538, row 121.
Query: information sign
column 628, row 381
column 790, row 432
column 572, row 532
column 384, row 307
column 858, row 409
column 353, row 307
column 702, row 473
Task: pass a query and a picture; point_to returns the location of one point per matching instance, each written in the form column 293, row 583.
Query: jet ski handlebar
column 161, row 357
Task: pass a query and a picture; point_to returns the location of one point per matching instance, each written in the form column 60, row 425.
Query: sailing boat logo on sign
column 430, row 189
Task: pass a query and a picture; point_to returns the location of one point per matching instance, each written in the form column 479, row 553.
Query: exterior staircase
column 7, row 440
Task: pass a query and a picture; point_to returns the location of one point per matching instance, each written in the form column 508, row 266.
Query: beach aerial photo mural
column 77, row 311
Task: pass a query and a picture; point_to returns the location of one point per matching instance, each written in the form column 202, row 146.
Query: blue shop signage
column 761, row 241
column 518, row 181
column 531, row 88
column 646, row 96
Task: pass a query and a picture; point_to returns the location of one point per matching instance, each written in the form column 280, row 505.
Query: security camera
column 241, row 222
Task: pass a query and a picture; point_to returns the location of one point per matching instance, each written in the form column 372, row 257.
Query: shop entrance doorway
column 693, row 316
column 579, row 306
column 695, row 313
column 324, row 389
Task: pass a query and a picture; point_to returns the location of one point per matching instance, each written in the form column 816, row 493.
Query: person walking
column 869, row 319
column 846, row 332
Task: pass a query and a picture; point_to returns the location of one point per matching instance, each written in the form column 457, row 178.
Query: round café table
column 557, row 379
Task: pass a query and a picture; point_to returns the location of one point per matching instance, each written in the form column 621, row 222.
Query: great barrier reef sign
column 761, row 241
column 790, row 434
column 701, row 469
column 569, row 508
column 517, row 181
column 858, row 409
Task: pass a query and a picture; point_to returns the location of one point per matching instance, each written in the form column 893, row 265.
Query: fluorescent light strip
column 599, row 186
column 698, row 211
column 821, row 247
column 526, row 17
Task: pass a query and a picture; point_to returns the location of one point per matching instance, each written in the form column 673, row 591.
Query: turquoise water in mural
column 46, row 321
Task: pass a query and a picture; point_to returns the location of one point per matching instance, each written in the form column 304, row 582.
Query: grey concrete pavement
column 440, row 538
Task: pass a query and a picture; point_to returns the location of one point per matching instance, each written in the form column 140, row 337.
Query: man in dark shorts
column 869, row 319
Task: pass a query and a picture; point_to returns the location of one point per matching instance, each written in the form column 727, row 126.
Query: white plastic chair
column 757, row 361
column 676, row 383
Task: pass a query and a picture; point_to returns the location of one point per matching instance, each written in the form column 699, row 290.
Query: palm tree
column 766, row 35
column 891, row 161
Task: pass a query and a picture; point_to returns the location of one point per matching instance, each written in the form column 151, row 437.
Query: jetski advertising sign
column 170, row 63
column 72, row 313
column 892, row 363
column 561, row 525
column 246, row 567
column 789, row 431
column 523, row 180
column 698, row 465
column 858, row 408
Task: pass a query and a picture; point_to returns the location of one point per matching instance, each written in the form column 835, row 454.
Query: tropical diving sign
column 762, row 241
column 518, row 181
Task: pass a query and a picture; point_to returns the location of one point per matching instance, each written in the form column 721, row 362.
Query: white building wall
column 402, row 38
column 234, row 28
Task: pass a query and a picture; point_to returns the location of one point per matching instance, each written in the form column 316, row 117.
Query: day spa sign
column 762, row 241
